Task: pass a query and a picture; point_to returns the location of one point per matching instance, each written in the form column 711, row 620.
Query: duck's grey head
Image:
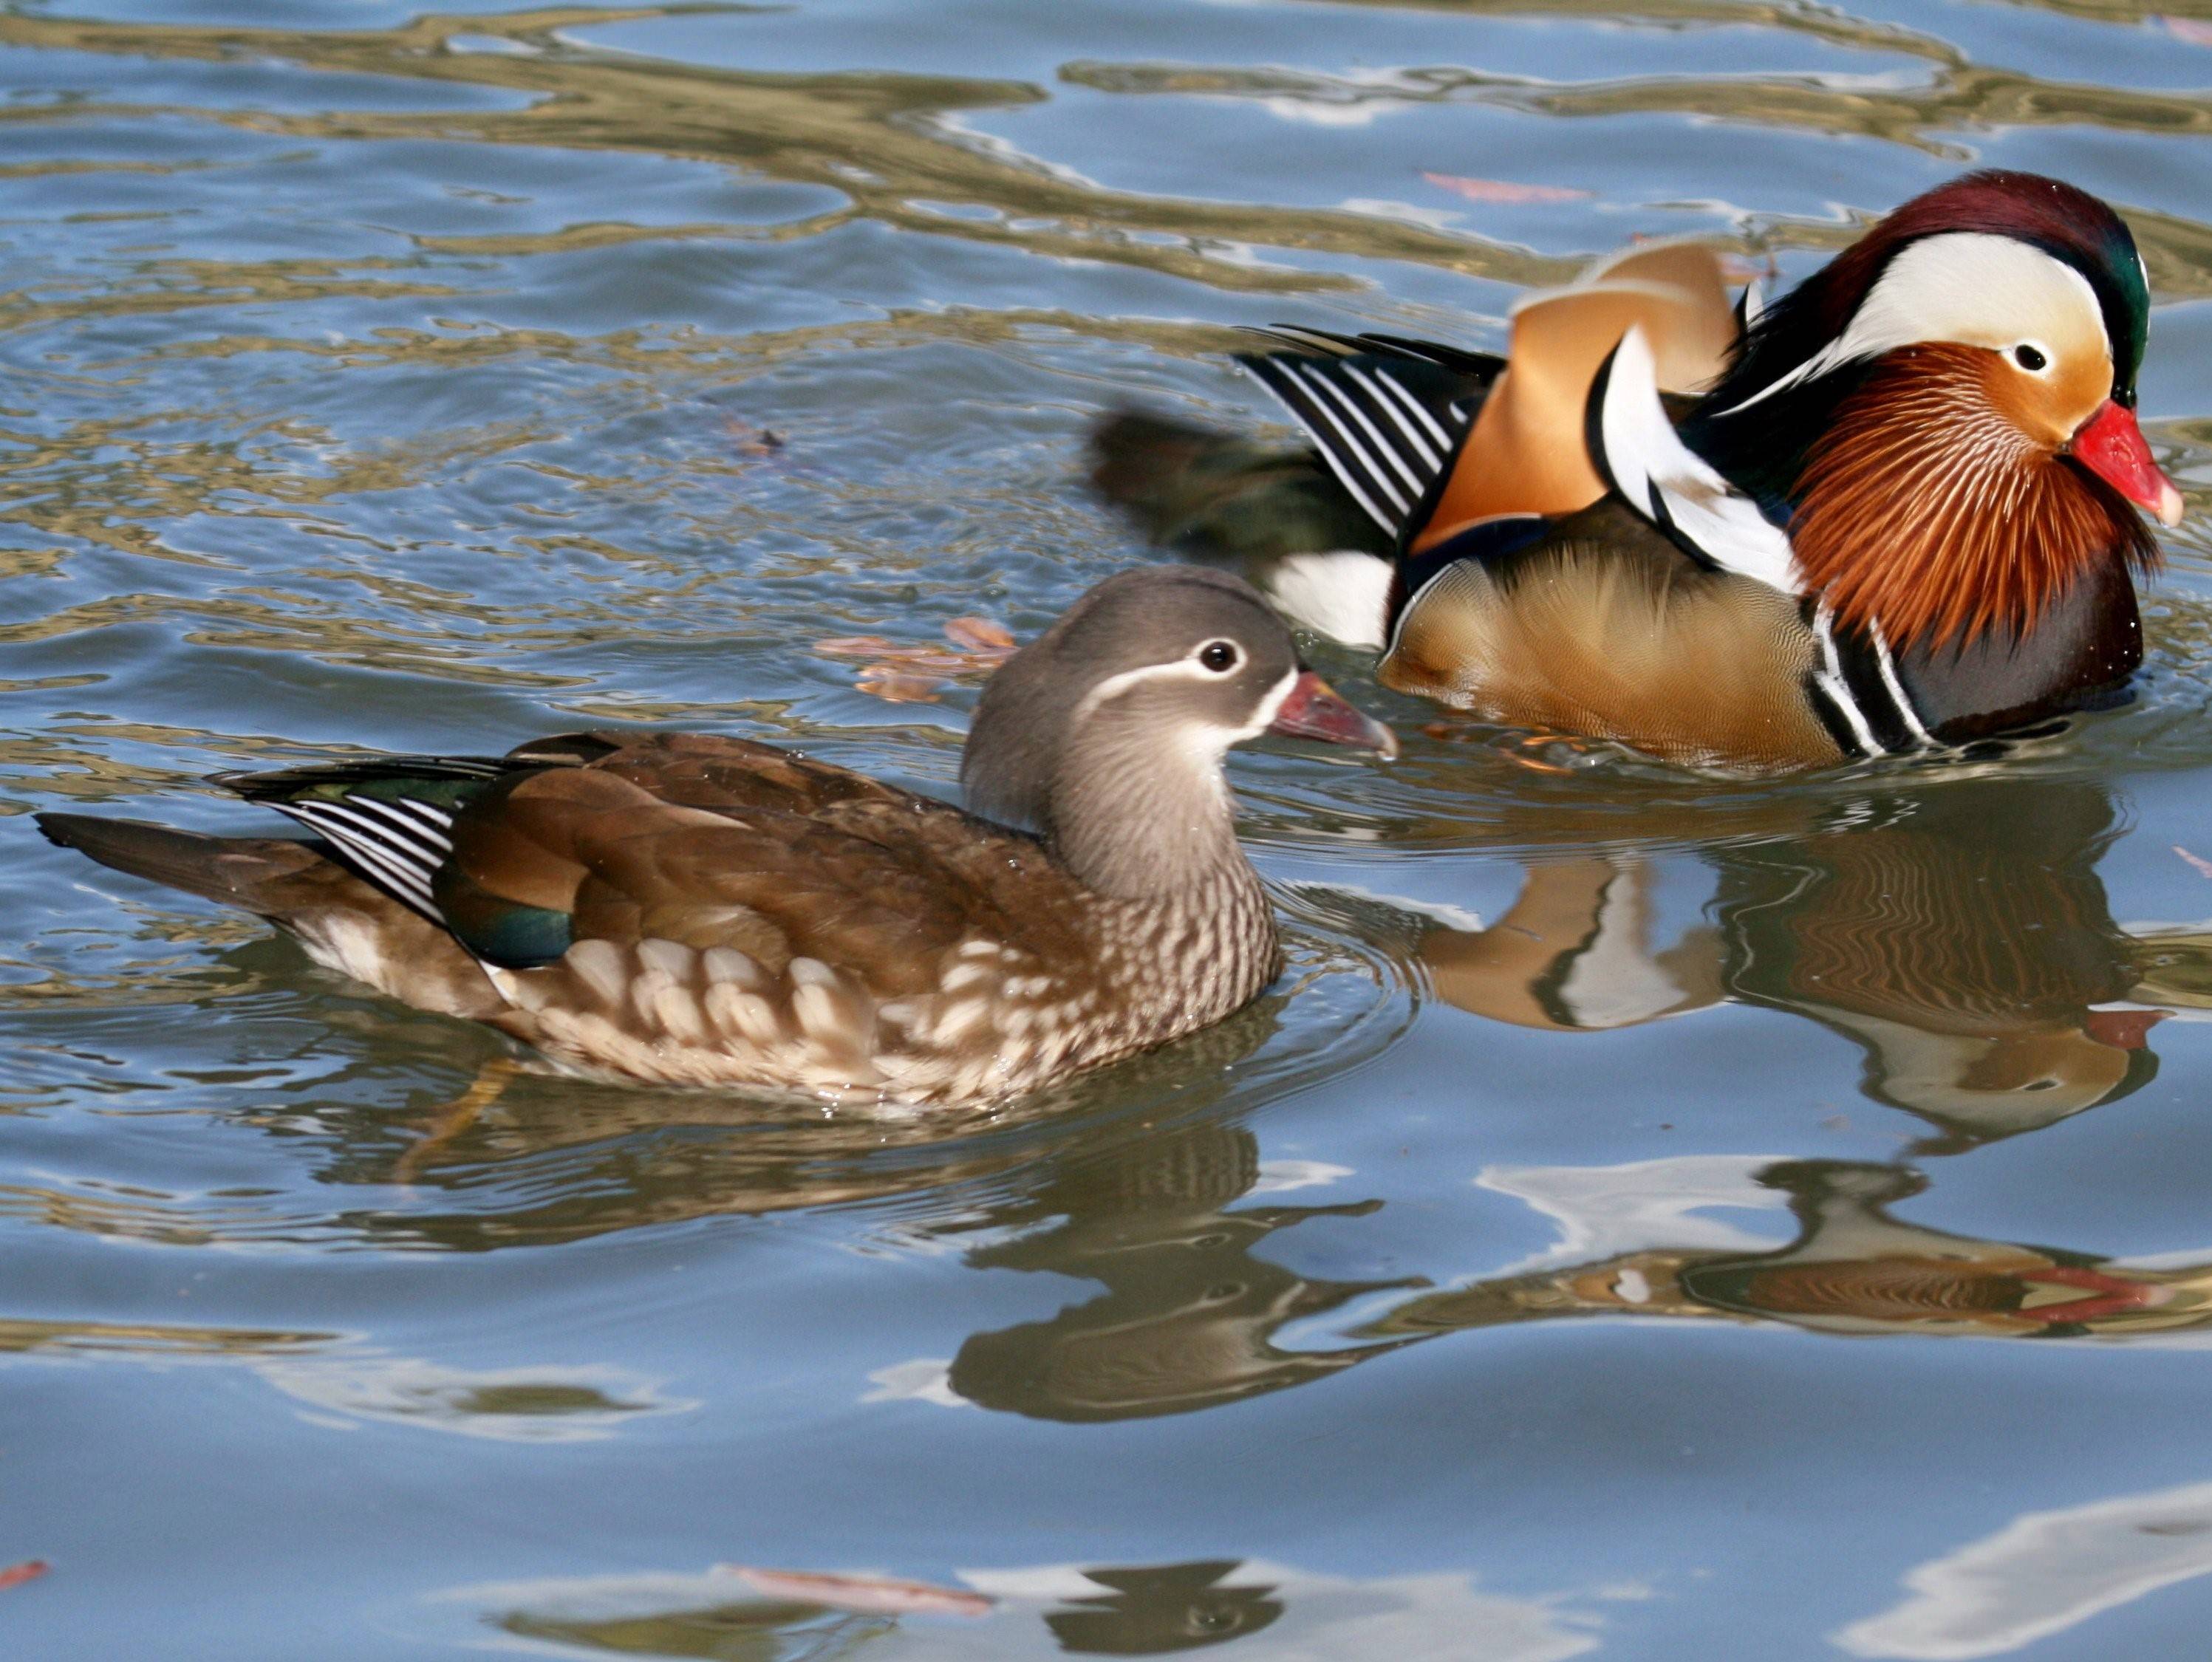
column 1106, row 733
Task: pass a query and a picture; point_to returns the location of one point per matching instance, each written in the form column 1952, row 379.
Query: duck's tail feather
column 271, row 876
column 1215, row 496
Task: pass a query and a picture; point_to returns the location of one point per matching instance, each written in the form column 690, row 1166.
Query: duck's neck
column 1923, row 512
column 1141, row 822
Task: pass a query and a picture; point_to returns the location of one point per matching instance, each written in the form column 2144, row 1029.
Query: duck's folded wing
column 711, row 771
column 1387, row 415
column 700, row 842
column 1429, row 439
column 389, row 819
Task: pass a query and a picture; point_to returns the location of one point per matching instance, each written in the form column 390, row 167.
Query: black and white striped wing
column 1387, row 423
column 396, row 842
column 391, row 820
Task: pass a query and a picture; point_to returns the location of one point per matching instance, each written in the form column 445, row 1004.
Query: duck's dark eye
column 2028, row 357
column 1219, row 656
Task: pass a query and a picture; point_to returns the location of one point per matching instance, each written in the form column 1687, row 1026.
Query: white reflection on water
column 926, row 1379
column 1607, row 1211
column 1272, row 1612
column 2042, row 1573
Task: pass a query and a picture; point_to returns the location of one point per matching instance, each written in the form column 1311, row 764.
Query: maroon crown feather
column 2049, row 213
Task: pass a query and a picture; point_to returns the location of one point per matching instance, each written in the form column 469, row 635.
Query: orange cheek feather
column 1928, row 508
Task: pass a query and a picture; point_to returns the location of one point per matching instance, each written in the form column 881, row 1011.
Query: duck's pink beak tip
column 1315, row 710
column 2110, row 445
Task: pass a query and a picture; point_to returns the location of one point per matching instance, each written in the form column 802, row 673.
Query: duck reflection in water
column 1097, row 1611
column 1024, row 1612
column 1852, row 1268
column 1957, row 931
column 1190, row 1311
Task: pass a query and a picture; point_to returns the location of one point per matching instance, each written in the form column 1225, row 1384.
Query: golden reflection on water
column 19, row 1336
column 880, row 141
column 1983, row 976
column 873, row 137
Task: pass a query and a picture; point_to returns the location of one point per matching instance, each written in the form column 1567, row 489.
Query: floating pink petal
column 1503, row 190
column 865, row 1595
column 2195, row 30
column 15, row 1574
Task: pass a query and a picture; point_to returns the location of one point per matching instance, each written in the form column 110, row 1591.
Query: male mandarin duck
column 684, row 908
column 1893, row 512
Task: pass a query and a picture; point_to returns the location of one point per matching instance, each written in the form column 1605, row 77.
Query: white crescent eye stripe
column 1971, row 287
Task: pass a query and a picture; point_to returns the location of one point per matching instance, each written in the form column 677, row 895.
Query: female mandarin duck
column 689, row 909
column 1891, row 512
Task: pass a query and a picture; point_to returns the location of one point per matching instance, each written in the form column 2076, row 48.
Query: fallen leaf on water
column 980, row 636
column 2203, row 867
column 15, row 1574
column 896, row 687
column 867, row 1595
column 2195, row 30
column 927, row 660
column 855, row 645
column 916, row 674
column 1503, row 190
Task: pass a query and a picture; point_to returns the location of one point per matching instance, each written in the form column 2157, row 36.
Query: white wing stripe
column 1314, row 388
column 1392, row 385
column 363, row 837
column 1383, row 447
column 401, row 830
column 1386, row 405
column 1420, row 411
column 433, row 822
column 1271, row 374
column 402, row 883
column 405, row 870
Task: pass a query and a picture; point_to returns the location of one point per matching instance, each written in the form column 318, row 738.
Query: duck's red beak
column 1313, row 710
column 2110, row 445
